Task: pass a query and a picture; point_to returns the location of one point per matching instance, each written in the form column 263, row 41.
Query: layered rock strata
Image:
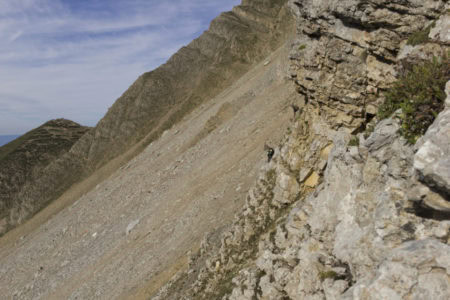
column 347, row 209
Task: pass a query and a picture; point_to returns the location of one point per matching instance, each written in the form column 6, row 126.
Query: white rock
column 131, row 226
column 432, row 160
column 441, row 30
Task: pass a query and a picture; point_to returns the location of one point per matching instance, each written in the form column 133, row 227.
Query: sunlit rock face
column 368, row 210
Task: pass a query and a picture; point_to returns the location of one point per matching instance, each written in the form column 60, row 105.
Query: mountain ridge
column 21, row 158
column 160, row 203
column 344, row 207
column 162, row 97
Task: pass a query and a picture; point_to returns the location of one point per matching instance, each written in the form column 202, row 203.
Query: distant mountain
column 22, row 160
column 5, row 139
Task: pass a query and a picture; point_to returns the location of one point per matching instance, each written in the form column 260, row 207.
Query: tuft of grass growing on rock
column 420, row 94
column 354, row 141
column 420, row 37
column 328, row 274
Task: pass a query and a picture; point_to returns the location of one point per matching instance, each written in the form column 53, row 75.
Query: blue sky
column 73, row 58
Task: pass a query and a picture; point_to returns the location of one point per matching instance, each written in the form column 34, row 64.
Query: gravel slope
column 132, row 232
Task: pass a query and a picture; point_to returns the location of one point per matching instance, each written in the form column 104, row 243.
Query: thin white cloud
column 8, row 7
column 15, row 36
column 74, row 62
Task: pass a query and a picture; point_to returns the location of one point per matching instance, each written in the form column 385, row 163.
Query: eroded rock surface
column 343, row 211
column 432, row 159
column 353, row 237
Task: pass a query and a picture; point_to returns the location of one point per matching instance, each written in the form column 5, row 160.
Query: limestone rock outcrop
column 347, row 209
column 432, row 160
column 346, row 52
column 356, row 236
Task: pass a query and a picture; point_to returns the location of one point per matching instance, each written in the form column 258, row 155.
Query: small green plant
column 302, row 47
column 420, row 37
column 271, row 176
column 420, row 94
column 354, row 141
column 328, row 274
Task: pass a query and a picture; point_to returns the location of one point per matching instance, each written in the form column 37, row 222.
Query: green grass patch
column 328, row 274
column 354, row 141
column 420, row 94
column 420, row 37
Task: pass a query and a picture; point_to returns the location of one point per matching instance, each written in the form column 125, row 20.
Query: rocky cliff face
column 347, row 209
column 21, row 160
column 159, row 99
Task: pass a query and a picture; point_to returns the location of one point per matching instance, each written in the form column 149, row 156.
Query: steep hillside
column 20, row 159
column 348, row 208
column 133, row 232
column 159, row 99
